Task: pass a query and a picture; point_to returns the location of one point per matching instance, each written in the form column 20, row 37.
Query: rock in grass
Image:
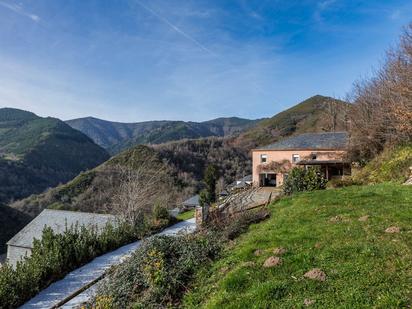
column 248, row 264
column 258, row 252
column 315, row 274
column 335, row 219
column 307, row 302
column 272, row 262
column 364, row 218
column 392, row 230
column 279, row 251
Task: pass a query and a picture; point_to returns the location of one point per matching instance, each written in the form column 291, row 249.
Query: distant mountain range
column 37, row 153
column 116, row 136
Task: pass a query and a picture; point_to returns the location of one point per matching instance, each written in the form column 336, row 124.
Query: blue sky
column 137, row 60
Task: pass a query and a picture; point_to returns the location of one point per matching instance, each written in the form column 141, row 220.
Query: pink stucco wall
column 281, row 155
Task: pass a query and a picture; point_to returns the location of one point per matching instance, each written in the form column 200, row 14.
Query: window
column 263, row 158
column 314, row 156
column 295, row 158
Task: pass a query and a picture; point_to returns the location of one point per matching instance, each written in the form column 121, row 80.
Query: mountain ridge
column 118, row 136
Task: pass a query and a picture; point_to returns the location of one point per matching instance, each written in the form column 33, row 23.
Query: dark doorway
column 267, row 180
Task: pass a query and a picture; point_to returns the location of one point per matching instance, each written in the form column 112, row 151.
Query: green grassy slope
column 364, row 266
column 37, row 153
column 307, row 116
column 391, row 165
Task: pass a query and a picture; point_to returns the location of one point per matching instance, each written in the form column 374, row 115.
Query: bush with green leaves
column 300, row 179
column 55, row 255
column 157, row 274
column 161, row 270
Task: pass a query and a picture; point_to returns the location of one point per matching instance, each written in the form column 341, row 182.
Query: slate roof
column 58, row 220
column 192, row 202
column 332, row 140
column 247, row 178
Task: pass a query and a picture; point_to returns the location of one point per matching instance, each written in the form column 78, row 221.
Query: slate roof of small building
column 247, row 178
column 58, row 220
column 193, row 201
column 332, row 140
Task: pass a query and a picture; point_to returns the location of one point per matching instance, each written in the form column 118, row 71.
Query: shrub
column 160, row 212
column 300, row 179
column 57, row 254
column 342, row 182
column 159, row 272
column 204, row 198
column 156, row 274
column 391, row 165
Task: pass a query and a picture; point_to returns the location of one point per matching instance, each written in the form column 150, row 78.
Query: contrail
column 19, row 10
column 175, row 28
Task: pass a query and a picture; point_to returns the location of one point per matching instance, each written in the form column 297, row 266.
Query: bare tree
column 332, row 113
column 382, row 111
column 336, row 114
column 140, row 188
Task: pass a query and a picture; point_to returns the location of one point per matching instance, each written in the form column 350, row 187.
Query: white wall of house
column 15, row 254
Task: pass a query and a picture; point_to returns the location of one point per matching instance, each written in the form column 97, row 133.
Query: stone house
column 328, row 151
column 21, row 244
column 191, row 202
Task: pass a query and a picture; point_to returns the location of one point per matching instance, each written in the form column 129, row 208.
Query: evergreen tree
column 210, row 180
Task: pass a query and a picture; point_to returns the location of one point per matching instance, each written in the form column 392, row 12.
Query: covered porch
column 331, row 169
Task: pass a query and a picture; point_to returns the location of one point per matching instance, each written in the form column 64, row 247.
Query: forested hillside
column 116, row 136
column 37, row 153
column 11, row 221
column 183, row 162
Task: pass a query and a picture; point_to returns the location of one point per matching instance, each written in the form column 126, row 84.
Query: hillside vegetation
column 390, row 165
column 116, row 136
column 37, row 153
column 11, row 222
column 93, row 190
column 316, row 114
column 382, row 104
column 189, row 158
column 90, row 191
column 184, row 161
column 359, row 239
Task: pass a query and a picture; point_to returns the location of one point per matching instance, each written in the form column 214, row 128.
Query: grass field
column 186, row 215
column 365, row 266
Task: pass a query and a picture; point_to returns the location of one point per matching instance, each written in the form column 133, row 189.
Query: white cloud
column 18, row 9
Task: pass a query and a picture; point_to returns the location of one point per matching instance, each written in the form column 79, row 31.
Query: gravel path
column 85, row 277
